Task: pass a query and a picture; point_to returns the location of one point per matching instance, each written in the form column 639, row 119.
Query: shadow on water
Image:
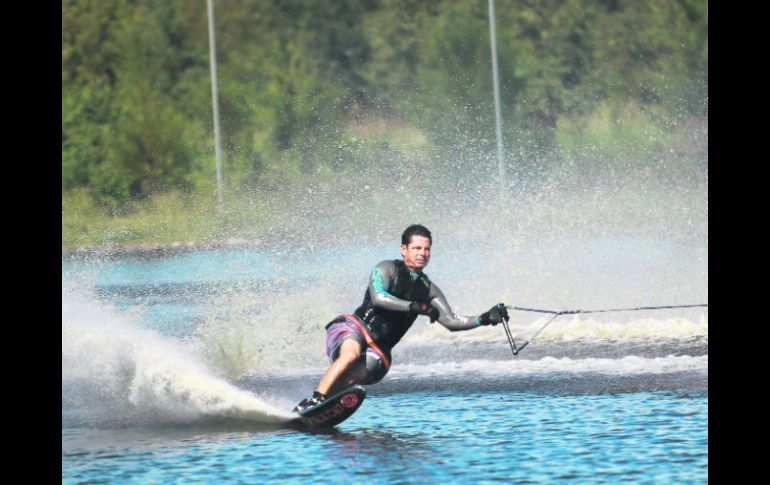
column 364, row 452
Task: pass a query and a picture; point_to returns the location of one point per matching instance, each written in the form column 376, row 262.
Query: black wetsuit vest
column 385, row 326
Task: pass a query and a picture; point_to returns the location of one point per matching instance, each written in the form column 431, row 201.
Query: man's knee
column 350, row 351
column 375, row 369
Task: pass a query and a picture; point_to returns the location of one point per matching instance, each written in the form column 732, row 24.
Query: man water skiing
column 359, row 344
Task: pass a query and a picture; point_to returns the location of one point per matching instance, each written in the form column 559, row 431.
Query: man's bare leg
column 355, row 374
column 350, row 351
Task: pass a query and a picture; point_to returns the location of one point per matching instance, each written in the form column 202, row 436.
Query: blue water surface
column 433, row 438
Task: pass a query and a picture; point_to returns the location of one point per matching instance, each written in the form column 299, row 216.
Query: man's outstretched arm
column 453, row 322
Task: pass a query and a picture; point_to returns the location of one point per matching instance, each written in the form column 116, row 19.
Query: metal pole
column 215, row 96
column 496, row 83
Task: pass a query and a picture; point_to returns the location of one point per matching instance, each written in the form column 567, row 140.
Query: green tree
column 123, row 130
column 295, row 76
column 87, row 83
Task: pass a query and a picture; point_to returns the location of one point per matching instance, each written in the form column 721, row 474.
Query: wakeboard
column 333, row 410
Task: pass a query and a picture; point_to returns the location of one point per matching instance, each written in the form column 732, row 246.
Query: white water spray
column 135, row 375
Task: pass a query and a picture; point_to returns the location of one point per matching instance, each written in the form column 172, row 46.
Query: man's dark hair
column 415, row 230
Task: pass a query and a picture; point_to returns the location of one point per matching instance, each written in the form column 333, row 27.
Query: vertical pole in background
column 496, row 83
column 215, row 96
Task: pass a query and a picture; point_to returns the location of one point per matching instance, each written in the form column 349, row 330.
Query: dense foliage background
column 332, row 89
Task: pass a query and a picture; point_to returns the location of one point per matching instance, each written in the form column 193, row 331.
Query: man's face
column 416, row 253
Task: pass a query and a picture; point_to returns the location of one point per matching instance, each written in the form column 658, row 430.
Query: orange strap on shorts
column 368, row 338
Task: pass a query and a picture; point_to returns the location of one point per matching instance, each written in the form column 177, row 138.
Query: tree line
column 295, row 75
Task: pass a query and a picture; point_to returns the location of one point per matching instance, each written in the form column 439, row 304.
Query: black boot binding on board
column 315, row 400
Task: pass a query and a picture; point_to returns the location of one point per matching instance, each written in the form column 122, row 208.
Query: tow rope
column 558, row 313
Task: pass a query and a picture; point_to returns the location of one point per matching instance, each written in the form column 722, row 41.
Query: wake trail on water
column 117, row 371
column 629, row 365
column 575, row 328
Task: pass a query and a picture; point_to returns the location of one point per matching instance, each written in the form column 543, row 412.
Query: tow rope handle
column 556, row 314
column 510, row 337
